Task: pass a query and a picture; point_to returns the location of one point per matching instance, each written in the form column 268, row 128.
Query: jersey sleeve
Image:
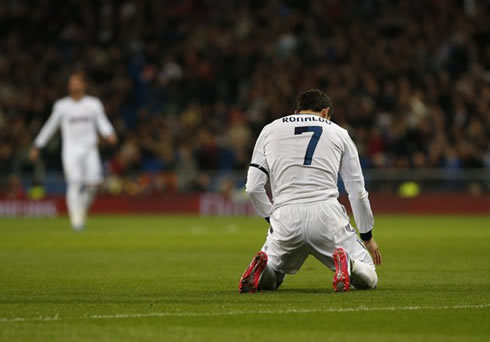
column 258, row 174
column 351, row 173
column 103, row 124
column 49, row 128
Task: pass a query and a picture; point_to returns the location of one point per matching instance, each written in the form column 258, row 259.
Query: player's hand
column 373, row 249
column 112, row 139
column 34, row 153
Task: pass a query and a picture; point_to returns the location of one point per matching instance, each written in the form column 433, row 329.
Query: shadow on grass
column 303, row 290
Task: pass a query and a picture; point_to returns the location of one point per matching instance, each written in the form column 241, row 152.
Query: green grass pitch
column 140, row 278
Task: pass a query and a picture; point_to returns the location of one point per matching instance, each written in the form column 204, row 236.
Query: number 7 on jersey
column 317, row 132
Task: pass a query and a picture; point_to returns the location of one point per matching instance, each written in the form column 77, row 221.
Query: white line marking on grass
column 237, row 313
column 31, row 319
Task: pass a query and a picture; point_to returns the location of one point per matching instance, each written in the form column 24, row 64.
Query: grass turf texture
column 175, row 279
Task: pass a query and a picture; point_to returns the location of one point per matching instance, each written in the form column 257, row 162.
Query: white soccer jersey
column 302, row 156
column 79, row 122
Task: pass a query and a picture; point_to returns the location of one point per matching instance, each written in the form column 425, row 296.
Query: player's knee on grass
column 363, row 276
column 270, row 280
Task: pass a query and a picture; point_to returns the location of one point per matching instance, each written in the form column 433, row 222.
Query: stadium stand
column 189, row 84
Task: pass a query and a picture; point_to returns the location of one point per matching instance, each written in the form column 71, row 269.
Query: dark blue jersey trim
column 260, row 168
column 367, row 236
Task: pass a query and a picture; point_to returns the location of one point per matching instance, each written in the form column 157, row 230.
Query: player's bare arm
column 34, row 153
column 111, row 139
column 373, row 249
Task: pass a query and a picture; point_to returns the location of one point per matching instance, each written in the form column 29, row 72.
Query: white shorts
column 314, row 228
column 82, row 166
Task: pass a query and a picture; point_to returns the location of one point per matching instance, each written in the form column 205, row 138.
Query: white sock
column 74, row 204
column 363, row 276
column 88, row 196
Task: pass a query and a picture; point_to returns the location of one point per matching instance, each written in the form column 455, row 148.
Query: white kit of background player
column 301, row 155
column 80, row 118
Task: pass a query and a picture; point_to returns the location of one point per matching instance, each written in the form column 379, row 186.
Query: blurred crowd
column 188, row 84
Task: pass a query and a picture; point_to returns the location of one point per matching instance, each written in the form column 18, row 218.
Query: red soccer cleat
column 341, row 279
column 249, row 282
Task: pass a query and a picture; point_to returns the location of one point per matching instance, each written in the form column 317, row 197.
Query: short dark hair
column 315, row 100
column 81, row 74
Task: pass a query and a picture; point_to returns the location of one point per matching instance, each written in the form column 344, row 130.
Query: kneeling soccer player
column 302, row 155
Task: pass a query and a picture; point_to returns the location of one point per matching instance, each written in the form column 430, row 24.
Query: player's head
column 315, row 100
column 77, row 83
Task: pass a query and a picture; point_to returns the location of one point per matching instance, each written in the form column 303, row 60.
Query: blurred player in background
column 80, row 117
column 301, row 155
